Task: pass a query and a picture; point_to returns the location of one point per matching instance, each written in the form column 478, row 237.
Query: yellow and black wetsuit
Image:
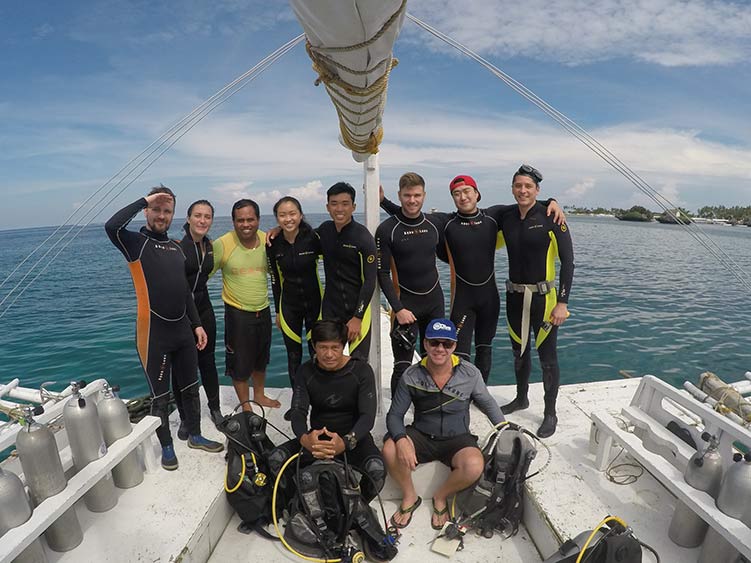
column 293, row 269
column 533, row 244
column 166, row 316
column 349, row 260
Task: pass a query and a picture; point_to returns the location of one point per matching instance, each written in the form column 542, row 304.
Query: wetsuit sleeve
column 383, row 244
column 389, row 206
column 565, row 249
column 366, row 401
column 274, row 276
column 300, row 404
column 367, row 249
column 127, row 242
column 191, row 309
column 485, row 401
column 399, row 407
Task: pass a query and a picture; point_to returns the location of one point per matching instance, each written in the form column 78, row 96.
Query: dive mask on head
column 527, row 170
column 404, row 336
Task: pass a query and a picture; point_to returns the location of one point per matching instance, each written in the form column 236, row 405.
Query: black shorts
column 247, row 341
column 432, row 448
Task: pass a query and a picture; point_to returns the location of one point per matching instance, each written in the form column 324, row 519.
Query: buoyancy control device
column 328, row 506
column 610, row 542
column 495, row 502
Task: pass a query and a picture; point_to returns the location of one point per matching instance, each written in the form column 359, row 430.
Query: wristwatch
column 350, row 441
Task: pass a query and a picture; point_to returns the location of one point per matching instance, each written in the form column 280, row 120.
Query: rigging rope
column 601, row 151
column 137, row 166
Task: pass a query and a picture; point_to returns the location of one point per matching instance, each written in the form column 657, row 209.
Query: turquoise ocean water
column 646, row 298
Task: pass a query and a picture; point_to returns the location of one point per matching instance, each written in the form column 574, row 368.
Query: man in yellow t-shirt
column 241, row 256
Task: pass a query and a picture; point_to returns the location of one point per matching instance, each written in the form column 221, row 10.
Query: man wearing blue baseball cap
column 441, row 386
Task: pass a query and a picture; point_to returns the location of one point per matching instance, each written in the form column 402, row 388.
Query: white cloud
column 579, row 190
column 231, row 192
column 663, row 32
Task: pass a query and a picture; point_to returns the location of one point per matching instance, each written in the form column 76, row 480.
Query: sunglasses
column 530, row 171
column 445, row 344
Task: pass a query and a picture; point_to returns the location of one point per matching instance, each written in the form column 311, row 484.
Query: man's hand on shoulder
column 271, row 234
column 560, row 217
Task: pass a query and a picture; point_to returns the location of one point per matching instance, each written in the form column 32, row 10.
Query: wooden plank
column 17, row 539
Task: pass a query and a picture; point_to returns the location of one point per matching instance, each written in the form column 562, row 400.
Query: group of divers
column 334, row 398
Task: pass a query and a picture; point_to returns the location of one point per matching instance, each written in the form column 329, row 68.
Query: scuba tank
column 15, row 509
column 703, row 472
column 113, row 416
column 45, row 477
column 87, row 445
column 734, row 494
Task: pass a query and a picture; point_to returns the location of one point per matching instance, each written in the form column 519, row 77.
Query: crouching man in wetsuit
column 441, row 386
column 340, row 393
column 168, row 328
column 533, row 242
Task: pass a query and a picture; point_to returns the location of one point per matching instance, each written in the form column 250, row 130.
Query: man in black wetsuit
column 469, row 238
column 349, row 261
column 407, row 272
column 168, row 328
column 340, row 393
column 533, row 242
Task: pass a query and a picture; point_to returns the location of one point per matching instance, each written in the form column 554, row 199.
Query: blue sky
column 85, row 86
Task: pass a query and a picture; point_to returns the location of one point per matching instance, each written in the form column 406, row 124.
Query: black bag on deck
column 495, row 502
column 614, row 544
column 248, row 482
column 328, row 506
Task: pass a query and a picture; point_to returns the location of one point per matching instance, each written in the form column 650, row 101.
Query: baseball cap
column 465, row 180
column 440, row 328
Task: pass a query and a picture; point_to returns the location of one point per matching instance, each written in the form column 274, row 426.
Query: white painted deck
column 183, row 515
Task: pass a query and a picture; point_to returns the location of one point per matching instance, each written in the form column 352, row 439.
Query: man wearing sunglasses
column 533, row 243
column 441, row 386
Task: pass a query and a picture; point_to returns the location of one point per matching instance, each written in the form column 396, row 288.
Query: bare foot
column 265, row 401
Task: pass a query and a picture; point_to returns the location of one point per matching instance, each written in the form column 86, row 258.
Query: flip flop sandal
column 410, row 510
column 437, row 512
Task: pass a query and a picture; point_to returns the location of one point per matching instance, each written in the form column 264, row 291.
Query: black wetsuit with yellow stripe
column 166, row 316
column 349, row 260
column 293, row 269
column 533, row 244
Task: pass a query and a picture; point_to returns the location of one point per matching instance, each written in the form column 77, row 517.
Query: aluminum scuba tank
column 113, row 416
column 15, row 509
column 45, row 477
column 703, row 472
column 717, row 549
column 87, row 444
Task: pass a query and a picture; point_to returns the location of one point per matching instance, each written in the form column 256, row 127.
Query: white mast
column 372, row 182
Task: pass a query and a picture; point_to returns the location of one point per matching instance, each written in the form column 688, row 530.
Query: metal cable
column 163, row 144
column 601, row 151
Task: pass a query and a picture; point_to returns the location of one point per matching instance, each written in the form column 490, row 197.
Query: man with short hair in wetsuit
column 241, row 256
column 533, row 242
column 407, row 272
column 339, row 391
column 349, row 261
column 469, row 238
column 441, row 387
column 168, row 328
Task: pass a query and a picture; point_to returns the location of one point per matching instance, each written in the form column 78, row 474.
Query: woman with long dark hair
column 199, row 261
column 293, row 267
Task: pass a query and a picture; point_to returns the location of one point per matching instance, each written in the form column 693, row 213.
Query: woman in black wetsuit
column 199, row 261
column 293, row 268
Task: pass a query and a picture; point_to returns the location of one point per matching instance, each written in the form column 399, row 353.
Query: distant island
column 736, row 215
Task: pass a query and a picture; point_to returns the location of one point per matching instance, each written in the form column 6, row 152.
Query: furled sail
column 350, row 44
